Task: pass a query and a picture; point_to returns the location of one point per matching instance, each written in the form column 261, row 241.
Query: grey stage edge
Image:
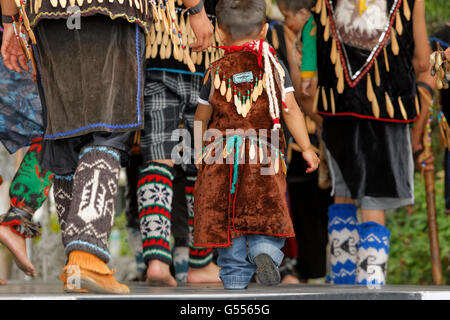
column 52, row 290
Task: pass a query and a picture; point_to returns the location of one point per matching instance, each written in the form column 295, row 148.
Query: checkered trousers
column 170, row 99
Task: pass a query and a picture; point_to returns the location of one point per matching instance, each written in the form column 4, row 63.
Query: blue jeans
column 236, row 270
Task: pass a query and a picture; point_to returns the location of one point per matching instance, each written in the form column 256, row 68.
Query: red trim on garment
column 252, row 232
column 37, row 140
column 47, row 188
column 155, row 209
column 16, row 203
column 155, row 177
column 189, row 190
column 249, row 47
column 367, row 117
column 234, row 227
column 351, row 83
column 12, row 224
column 159, row 242
column 36, row 167
column 200, row 252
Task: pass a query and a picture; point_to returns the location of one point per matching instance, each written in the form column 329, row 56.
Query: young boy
column 241, row 207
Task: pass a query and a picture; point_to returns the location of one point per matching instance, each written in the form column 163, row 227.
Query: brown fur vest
column 235, row 200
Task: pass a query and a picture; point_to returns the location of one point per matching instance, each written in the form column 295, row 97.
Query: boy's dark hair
column 241, row 18
column 296, row 5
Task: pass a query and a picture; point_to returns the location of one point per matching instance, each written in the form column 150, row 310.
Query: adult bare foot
column 16, row 244
column 158, row 274
column 2, row 282
column 208, row 274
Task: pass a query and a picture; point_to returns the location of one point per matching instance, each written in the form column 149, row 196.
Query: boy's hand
column 311, row 159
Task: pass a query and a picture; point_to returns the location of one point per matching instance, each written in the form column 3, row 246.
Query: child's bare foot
column 290, row 279
column 208, row 274
column 2, row 282
column 16, row 244
column 158, row 274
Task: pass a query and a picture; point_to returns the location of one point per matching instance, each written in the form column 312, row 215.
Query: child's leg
column 87, row 225
column 236, row 272
column 265, row 252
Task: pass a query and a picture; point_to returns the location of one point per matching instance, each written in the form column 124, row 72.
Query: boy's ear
column 264, row 30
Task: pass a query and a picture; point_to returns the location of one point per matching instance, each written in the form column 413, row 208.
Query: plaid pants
column 169, row 99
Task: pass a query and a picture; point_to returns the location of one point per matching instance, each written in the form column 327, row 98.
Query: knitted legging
column 28, row 191
column 86, row 200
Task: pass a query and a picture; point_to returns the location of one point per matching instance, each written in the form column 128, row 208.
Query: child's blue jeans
column 236, row 270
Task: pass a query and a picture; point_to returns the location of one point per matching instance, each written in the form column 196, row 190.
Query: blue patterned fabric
column 20, row 109
column 343, row 238
column 373, row 254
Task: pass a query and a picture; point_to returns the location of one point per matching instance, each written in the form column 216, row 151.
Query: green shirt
column 309, row 54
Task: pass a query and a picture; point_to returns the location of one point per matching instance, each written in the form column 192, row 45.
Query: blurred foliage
column 437, row 14
column 120, row 223
column 409, row 260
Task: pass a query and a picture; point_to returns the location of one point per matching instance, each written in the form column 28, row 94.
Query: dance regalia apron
column 233, row 200
column 367, row 93
column 99, row 87
column 369, row 46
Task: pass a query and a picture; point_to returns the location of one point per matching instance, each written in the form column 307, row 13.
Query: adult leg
column 373, row 247
column 163, row 109
column 29, row 189
column 88, row 223
column 343, row 240
column 62, row 193
column 155, row 194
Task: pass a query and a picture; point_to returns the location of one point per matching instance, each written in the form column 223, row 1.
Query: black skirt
column 91, row 78
column 91, row 86
column 374, row 157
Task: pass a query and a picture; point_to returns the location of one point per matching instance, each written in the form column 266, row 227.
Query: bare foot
column 158, row 274
column 290, row 279
column 208, row 274
column 2, row 282
column 16, row 244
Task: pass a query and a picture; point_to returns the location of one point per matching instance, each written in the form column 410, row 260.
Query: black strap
column 196, row 9
column 9, row 19
column 426, row 86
